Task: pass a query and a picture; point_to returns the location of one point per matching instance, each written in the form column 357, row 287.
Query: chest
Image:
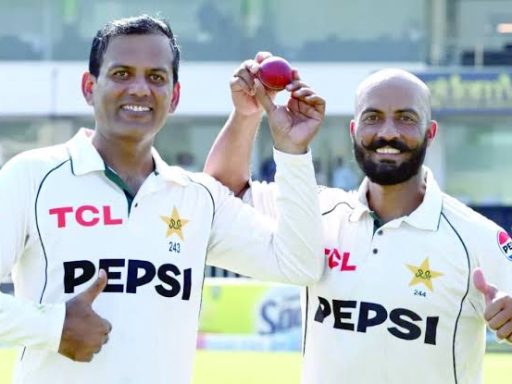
column 158, row 244
column 420, row 270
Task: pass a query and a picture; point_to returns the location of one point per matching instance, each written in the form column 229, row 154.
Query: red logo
column 505, row 244
column 85, row 215
column 337, row 261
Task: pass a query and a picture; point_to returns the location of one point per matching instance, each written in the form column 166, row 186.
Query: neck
column 131, row 160
column 394, row 201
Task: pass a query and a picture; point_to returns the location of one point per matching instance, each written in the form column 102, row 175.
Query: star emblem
column 423, row 274
column 174, row 223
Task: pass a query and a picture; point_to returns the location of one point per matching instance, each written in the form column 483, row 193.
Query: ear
column 175, row 99
column 431, row 131
column 88, row 82
column 352, row 129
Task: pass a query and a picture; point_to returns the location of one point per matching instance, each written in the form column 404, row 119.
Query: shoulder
column 200, row 178
column 473, row 229
column 465, row 217
column 37, row 163
column 207, row 184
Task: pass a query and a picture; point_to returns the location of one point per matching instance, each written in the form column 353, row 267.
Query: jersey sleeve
column 22, row 323
column 286, row 248
column 262, row 196
column 495, row 258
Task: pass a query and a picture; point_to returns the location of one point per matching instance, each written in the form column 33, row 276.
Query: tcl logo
column 84, row 215
column 337, row 261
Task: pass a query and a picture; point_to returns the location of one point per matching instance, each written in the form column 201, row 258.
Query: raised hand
column 242, row 86
column 294, row 125
column 84, row 331
column 498, row 306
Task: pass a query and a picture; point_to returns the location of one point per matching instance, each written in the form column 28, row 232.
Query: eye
column 120, row 74
column 157, row 78
column 407, row 118
column 371, row 118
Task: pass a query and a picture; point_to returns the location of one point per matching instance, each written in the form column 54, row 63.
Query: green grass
column 269, row 368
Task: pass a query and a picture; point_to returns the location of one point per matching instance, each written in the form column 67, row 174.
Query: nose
column 388, row 130
column 139, row 87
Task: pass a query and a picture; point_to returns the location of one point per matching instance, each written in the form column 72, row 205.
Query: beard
column 389, row 172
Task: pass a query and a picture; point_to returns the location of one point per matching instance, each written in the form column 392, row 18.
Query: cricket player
column 107, row 243
column 404, row 297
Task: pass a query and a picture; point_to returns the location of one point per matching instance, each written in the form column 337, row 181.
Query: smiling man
column 404, row 298
column 108, row 244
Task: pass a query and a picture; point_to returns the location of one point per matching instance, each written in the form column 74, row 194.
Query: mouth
column 387, row 150
column 136, row 108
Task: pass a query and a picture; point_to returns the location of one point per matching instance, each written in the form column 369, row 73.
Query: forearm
column 230, row 156
column 298, row 238
column 23, row 323
column 286, row 248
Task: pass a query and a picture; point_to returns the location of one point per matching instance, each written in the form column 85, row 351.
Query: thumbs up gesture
column 84, row 331
column 498, row 306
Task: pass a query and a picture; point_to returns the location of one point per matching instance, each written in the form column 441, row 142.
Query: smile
column 387, row 150
column 136, row 108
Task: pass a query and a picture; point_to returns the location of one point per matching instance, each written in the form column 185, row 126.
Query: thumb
column 481, row 284
column 91, row 293
column 263, row 97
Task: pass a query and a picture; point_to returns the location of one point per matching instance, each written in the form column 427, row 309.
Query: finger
column 481, row 284
column 317, row 103
column 243, row 82
column 296, row 85
column 295, row 74
column 244, row 70
column 301, row 93
column 245, row 67
column 107, row 326
column 499, row 319
column 83, row 357
column 91, row 293
column 505, row 331
column 263, row 97
column 308, row 104
column 262, row 55
column 496, row 307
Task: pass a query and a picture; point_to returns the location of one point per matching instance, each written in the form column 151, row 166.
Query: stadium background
column 461, row 48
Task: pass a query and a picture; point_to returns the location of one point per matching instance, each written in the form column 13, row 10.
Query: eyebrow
column 408, row 110
column 124, row 66
column 399, row 111
column 368, row 110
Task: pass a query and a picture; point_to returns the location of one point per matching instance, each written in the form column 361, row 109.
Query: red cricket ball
column 275, row 73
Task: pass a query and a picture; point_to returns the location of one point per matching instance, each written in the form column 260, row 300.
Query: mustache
column 379, row 143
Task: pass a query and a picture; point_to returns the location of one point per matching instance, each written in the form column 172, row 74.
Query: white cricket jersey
column 63, row 218
column 397, row 303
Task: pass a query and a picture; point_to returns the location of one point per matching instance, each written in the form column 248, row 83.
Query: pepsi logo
column 505, row 244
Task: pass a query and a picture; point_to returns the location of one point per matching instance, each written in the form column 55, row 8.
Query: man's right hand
column 242, row 86
column 84, row 331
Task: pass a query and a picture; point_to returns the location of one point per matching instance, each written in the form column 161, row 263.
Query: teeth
column 388, row 150
column 136, row 108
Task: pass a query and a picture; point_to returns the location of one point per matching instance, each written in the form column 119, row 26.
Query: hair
column 138, row 25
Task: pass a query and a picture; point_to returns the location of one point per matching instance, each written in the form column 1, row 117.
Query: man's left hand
column 294, row 125
column 498, row 306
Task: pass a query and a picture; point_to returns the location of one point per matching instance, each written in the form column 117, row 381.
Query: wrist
column 291, row 149
column 246, row 115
